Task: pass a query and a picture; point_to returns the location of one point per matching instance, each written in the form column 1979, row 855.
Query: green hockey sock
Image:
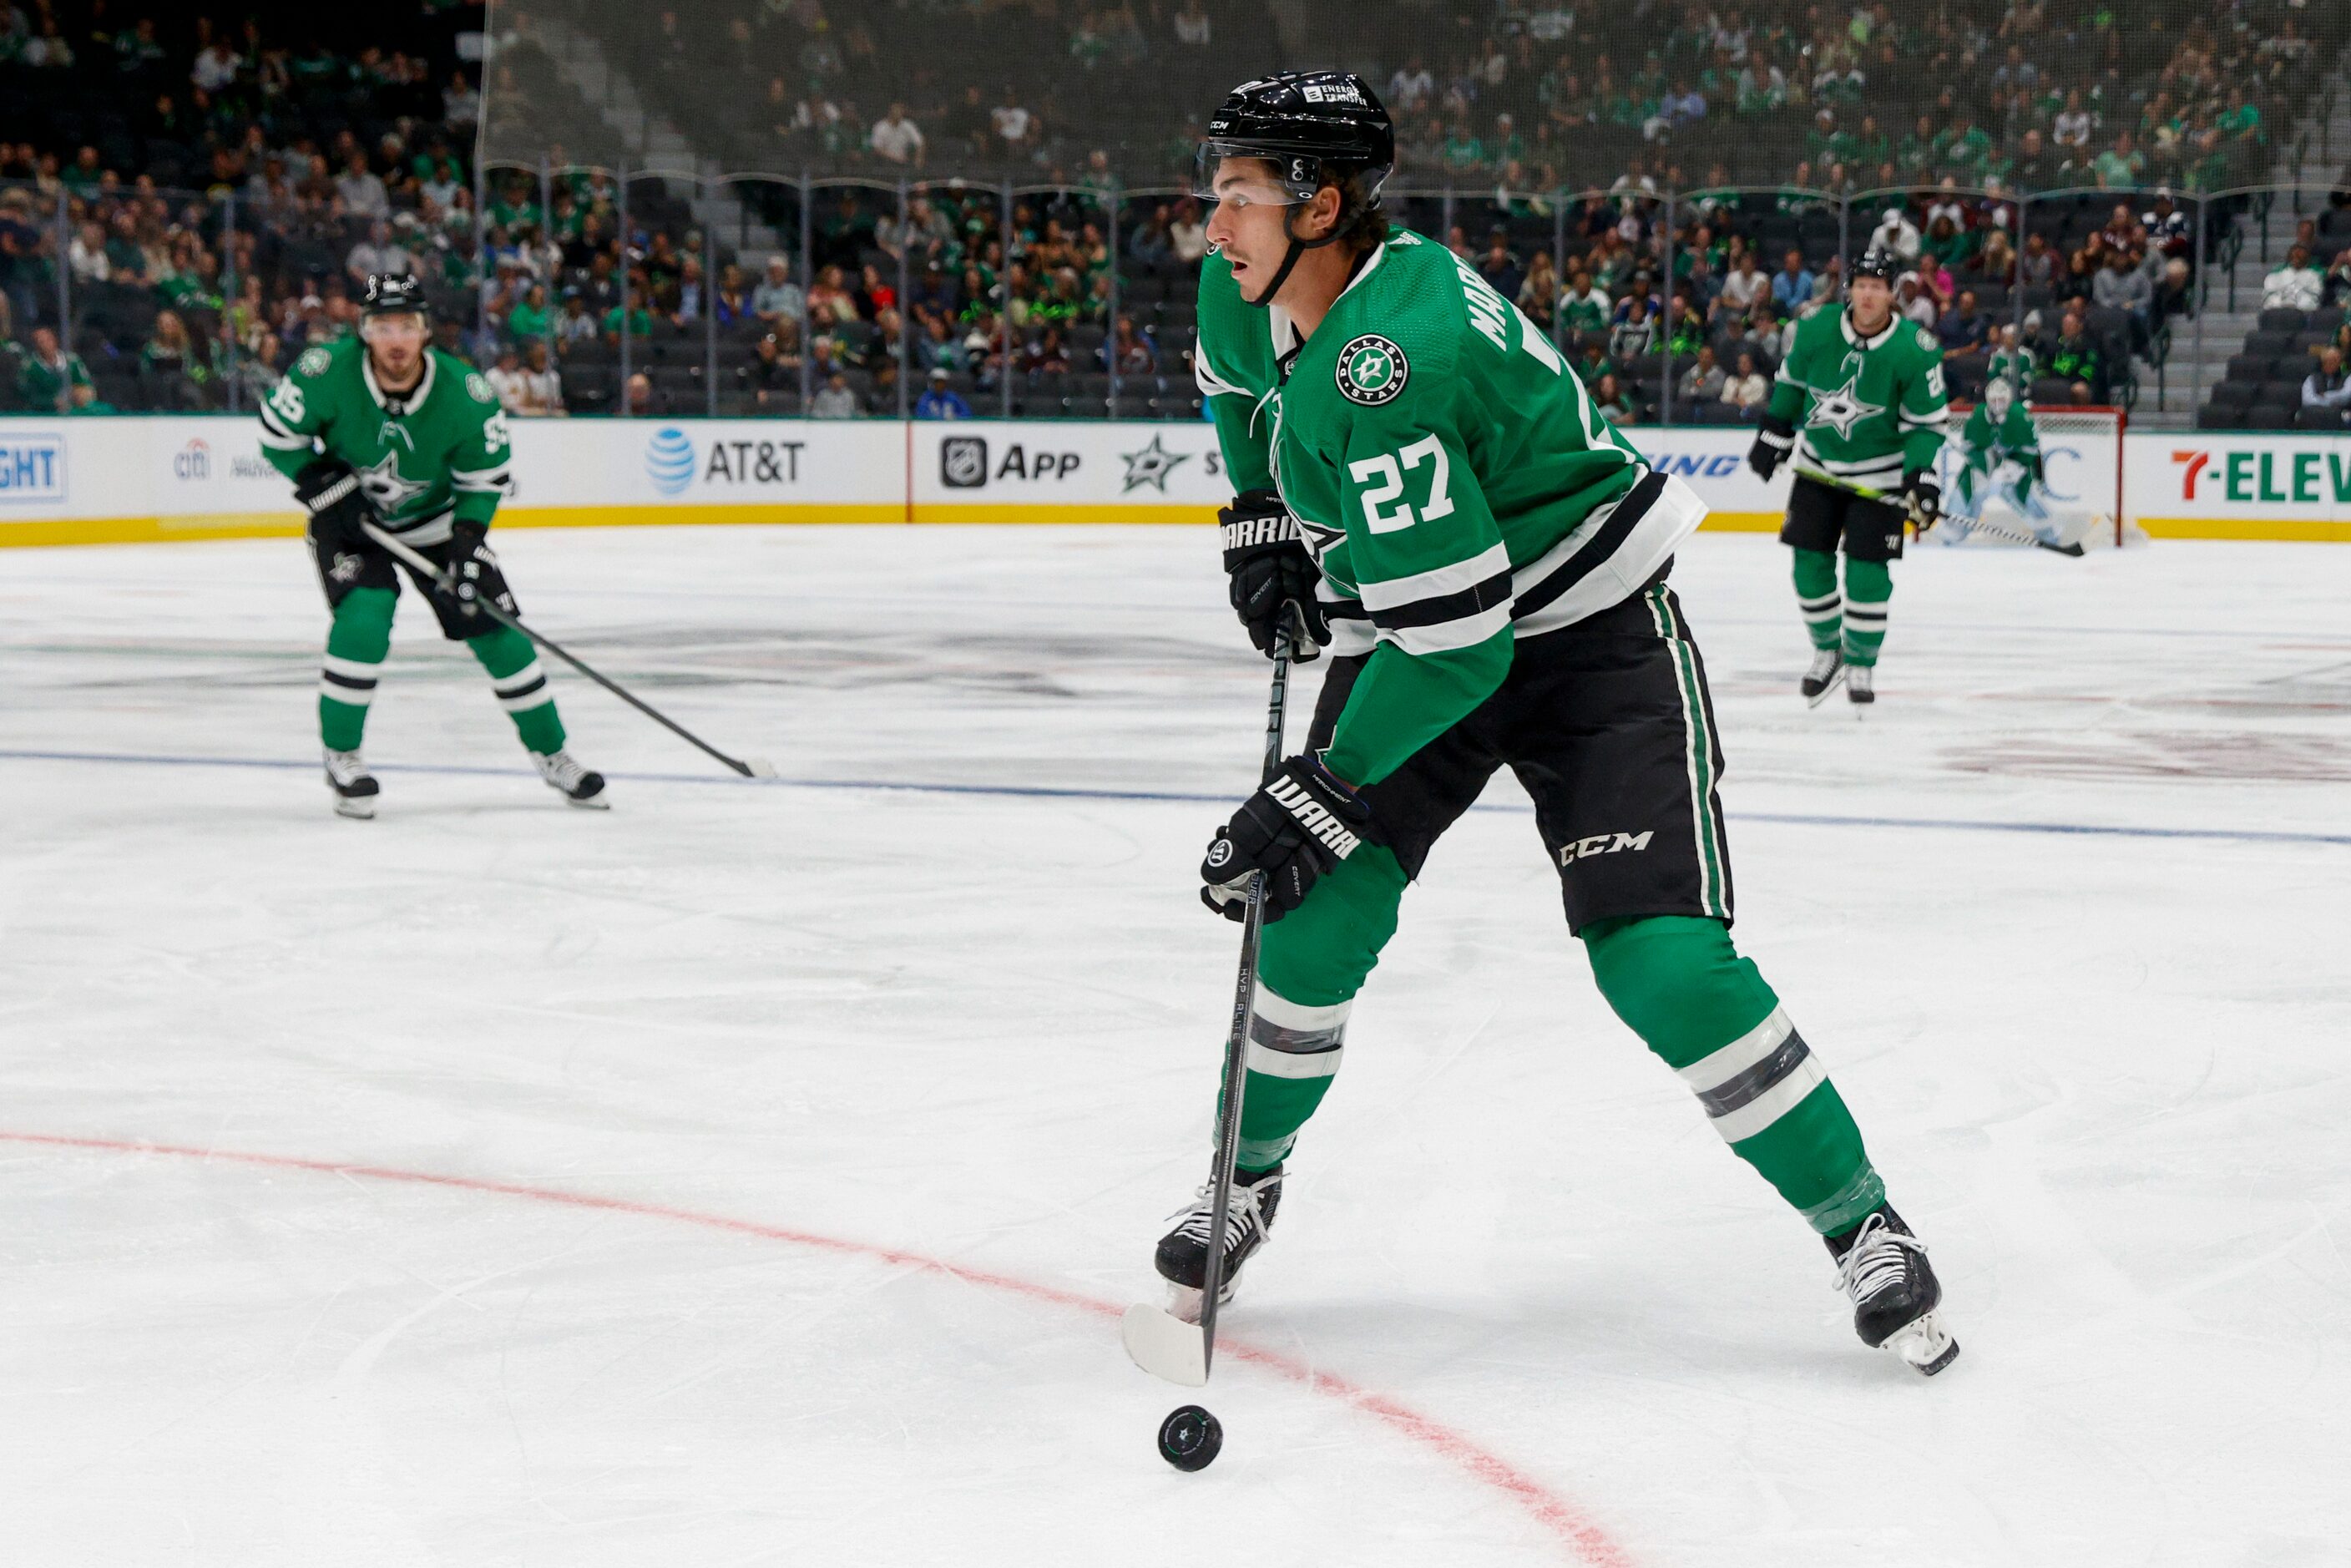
column 1816, row 596
column 1869, row 584
column 1310, row 962
column 521, row 685
column 1682, row 986
column 356, row 645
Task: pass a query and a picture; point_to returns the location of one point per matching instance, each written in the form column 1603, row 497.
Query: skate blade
column 593, row 803
column 1924, row 1344
column 358, row 811
column 1183, row 1303
column 1166, row 1346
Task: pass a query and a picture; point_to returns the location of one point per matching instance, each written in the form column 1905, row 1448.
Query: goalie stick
column 756, row 768
column 1161, row 1343
column 1896, row 498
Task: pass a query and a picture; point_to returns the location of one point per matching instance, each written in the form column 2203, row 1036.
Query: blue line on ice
column 1050, row 792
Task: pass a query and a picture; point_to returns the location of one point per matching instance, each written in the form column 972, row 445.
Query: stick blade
column 1165, row 1345
column 760, row 767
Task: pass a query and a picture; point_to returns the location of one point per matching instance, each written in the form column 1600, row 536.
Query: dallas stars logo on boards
column 1372, row 370
column 1151, row 466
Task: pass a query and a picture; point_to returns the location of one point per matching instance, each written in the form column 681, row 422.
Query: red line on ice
column 1571, row 1525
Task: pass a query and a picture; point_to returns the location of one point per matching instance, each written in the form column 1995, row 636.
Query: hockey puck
column 1190, row 1437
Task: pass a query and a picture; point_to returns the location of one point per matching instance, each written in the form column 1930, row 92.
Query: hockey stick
column 1894, row 498
column 756, row 768
column 1161, row 1343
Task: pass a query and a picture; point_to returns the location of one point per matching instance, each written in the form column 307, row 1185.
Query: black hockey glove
column 329, row 492
column 1267, row 559
column 1293, row 829
column 1924, row 498
column 1772, row 445
column 472, row 575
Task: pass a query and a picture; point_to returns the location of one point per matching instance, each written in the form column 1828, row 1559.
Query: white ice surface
column 2108, row 1077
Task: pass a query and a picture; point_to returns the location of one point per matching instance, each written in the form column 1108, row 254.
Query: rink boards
column 144, row 478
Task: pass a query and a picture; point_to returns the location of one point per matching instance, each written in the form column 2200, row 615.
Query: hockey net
column 2081, row 494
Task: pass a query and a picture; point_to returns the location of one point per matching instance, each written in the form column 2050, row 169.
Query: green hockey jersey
column 1986, row 445
column 1451, row 475
column 1868, row 410
column 435, row 456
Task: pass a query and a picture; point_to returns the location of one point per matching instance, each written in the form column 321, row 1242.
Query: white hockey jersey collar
column 1877, row 340
column 414, row 399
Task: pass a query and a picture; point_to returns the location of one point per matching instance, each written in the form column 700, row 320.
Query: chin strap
column 1298, row 248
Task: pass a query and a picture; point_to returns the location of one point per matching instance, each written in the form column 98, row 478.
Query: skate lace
column 344, row 767
column 1242, row 1209
column 1823, row 662
column 1876, row 1261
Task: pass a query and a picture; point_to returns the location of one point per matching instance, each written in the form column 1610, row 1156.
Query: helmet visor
column 1253, row 175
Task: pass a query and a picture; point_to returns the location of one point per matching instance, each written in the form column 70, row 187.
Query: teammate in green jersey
column 385, row 429
column 1860, row 401
column 1999, row 453
column 1427, row 486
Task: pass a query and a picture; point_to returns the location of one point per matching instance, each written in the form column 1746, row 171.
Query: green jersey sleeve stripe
column 1446, row 636
column 1205, row 374
column 1437, row 581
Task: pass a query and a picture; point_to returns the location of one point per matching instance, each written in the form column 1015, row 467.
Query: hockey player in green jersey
column 1428, row 488
column 1858, row 405
column 1999, row 453
column 385, row 429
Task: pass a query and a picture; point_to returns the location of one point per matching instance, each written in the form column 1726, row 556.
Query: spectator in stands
column 172, row 364
column 2295, row 285
column 1585, row 304
column 1411, row 88
column 1791, row 286
column 542, row 383
column 1915, row 302
column 1634, row 335
column 1499, row 267
column 1747, row 391
column 378, row 253
column 2075, row 357
column 2039, row 265
column 1131, row 351
column 360, row 190
column 2124, row 286
column 1995, row 263
column 1192, row 25
column 629, row 315
column 1617, row 404
column 51, row 376
column 1742, row 285
column 505, row 379
column 2327, row 389
column 830, row 291
column 2336, row 286
column 2010, row 360
column 1703, row 382
column 528, row 322
column 834, row 399
column 1188, row 234
column 777, row 297
column 940, row 399
column 1898, row 234
column 575, row 325
column 1964, row 329
column 1015, row 126
column 896, row 139
column 637, row 399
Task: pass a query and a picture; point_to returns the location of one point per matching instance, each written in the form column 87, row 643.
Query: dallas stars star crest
column 1840, row 411
column 386, row 491
column 1151, row 466
column 1319, row 538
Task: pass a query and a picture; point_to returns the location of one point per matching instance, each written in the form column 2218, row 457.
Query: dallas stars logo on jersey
column 1840, row 411
column 1371, row 371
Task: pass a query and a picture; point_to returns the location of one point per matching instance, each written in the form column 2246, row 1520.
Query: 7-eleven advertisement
column 2215, row 484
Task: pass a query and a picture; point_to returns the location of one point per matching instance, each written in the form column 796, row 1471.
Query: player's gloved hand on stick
column 1772, row 445
column 472, row 574
column 1924, row 497
column 1298, row 827
column 329, row 492
column 1266, row 559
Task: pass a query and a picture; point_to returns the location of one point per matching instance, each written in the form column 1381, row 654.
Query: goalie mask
column 1998, row 396
column 1277, row 140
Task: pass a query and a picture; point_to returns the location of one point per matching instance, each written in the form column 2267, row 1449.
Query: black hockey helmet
column 392, row 294
column 1879, row 263
column 1311, row 128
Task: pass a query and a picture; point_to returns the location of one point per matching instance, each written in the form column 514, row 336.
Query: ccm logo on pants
column 1604, row 844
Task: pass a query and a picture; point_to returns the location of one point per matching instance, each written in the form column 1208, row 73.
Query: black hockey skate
column 1182, row 1256
column 354, row 786
column 581, row 786
column 1895, row 1295
column 1828, row 669
column 1860, row 684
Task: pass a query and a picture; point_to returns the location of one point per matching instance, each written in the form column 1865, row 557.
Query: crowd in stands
column 185, row 205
